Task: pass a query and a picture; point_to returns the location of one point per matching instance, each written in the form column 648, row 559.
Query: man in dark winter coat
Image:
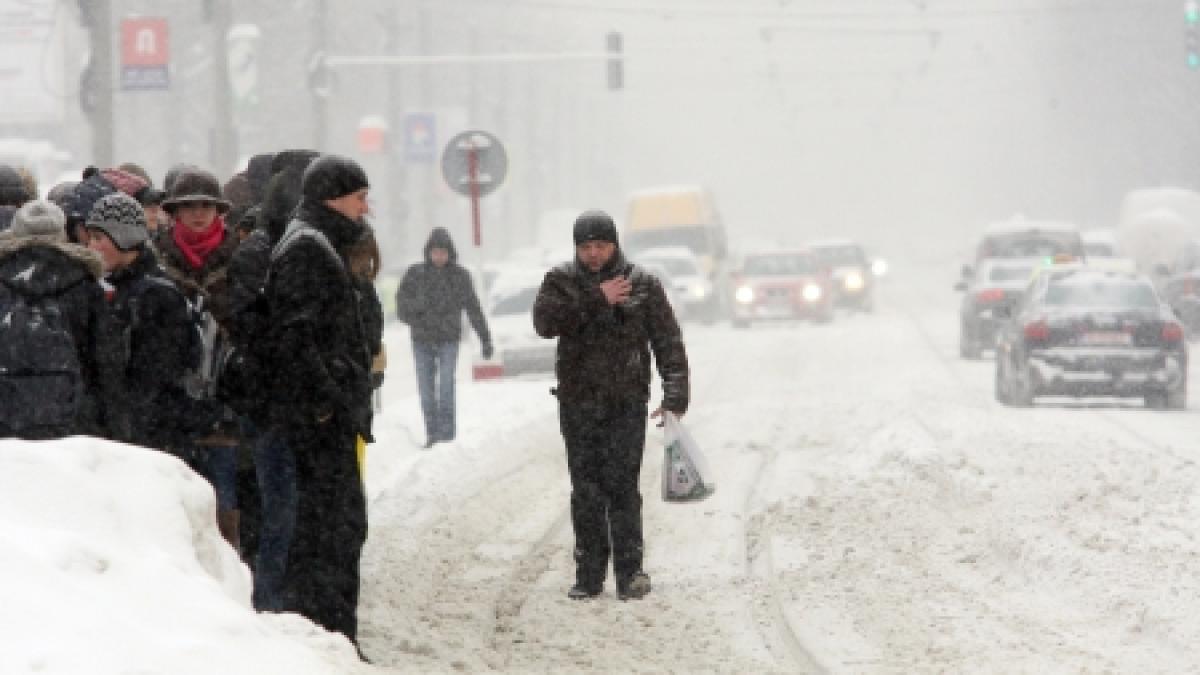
column 148, row 320
column 431, row 299
column 321, row 400
column 40, row 270
column 608, row 316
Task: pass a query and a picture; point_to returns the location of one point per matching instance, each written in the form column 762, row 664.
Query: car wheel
column 1167, row 400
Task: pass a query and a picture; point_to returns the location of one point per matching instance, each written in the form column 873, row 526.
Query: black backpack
column 244, row 379
column 189, row 409
column 41, row 377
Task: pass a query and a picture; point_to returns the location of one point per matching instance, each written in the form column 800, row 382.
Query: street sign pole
column 473, row 172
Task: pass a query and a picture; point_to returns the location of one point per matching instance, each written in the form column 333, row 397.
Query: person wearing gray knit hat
column 121, row 218
column 40, row 218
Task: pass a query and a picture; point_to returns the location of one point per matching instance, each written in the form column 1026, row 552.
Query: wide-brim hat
column 196, row 186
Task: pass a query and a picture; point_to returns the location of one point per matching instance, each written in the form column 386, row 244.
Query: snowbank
column 112, row 562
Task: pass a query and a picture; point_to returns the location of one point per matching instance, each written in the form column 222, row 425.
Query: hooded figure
column 41, row 269
column 431, row 299
column 320, row 400
column 609, row 317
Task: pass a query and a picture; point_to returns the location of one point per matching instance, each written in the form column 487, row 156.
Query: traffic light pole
column 100, row 81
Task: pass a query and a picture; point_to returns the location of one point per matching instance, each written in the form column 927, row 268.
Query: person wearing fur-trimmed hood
column 38, row 264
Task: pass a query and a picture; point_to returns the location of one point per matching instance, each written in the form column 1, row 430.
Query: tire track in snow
column 484, row 535
column 767, row 603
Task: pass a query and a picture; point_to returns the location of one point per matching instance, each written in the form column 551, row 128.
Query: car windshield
column 1101, row 293
column 695, row 237
column 841, row 255
column 676, row 267
column 1006, row 273
column 517, row 302
column 779, row 265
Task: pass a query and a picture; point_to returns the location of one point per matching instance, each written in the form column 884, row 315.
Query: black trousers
column 322, row 578
column 605, row 443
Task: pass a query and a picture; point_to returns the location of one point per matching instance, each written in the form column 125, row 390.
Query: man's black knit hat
column 595, row 225
column 331, row 177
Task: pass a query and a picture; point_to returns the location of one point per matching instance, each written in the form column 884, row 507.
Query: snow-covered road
column 876, row 511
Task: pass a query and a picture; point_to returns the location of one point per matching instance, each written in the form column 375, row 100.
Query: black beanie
column 595, row 226
column 331, row 177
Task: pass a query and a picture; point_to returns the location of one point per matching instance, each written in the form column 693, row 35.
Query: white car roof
column 1023, row 225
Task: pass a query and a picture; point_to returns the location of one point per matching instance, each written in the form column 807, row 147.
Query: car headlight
column 812, row 292
column 698, row 291
column 853, row 281
column 744, row 295
column 879, row 268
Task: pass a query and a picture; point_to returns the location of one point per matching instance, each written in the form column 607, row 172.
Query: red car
column 782, row 285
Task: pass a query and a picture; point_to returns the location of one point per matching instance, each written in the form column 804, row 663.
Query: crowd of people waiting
column 233, row 326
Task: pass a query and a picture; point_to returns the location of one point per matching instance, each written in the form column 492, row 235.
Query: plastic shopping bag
column 685, row 476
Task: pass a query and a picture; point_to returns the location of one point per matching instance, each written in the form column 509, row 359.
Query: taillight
column 990, row 295
column 1038, row 330
column 1172, row 332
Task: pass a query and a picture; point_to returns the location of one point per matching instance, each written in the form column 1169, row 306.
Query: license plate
column 1106, row 338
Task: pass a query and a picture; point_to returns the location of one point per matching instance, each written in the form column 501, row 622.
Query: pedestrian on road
column 320, row 398
column 609, row 316
column 431, row 299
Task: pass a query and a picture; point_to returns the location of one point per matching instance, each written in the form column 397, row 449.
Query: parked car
column 989, row 295
column 1086, row 332
column 688, row 280
column 852, row 272
column 519, row 349
column 782, row 285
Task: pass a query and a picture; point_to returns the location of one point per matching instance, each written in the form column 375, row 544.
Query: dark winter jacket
column 6, row 216
column 604, row 350
column 431, row 299
column 37, row 268
column 145, row 401
column 321, row 349
column 248, row 268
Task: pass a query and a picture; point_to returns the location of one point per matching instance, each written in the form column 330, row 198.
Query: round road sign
column 491, row 163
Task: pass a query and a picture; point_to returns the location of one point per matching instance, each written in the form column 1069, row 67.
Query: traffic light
column 1191, row 42
column 616, row 61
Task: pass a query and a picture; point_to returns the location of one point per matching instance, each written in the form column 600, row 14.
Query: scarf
column 196, row 246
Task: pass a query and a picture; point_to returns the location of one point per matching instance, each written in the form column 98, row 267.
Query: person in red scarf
column 195, row 251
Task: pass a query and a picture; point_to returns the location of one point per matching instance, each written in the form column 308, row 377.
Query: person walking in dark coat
column 145, row 403
column 608, row 316
column 431, row 299
column 49, row 385
column 321, row 400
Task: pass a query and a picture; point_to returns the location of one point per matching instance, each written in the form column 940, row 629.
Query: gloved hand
column 376, row 380
column 487, row 350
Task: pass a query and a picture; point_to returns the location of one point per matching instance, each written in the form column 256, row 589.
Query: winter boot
column 633, row 587
column 584, row 591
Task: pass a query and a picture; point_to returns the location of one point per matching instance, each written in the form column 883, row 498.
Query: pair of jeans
column 435, row 365
column 605, row 443
column 275, row 466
